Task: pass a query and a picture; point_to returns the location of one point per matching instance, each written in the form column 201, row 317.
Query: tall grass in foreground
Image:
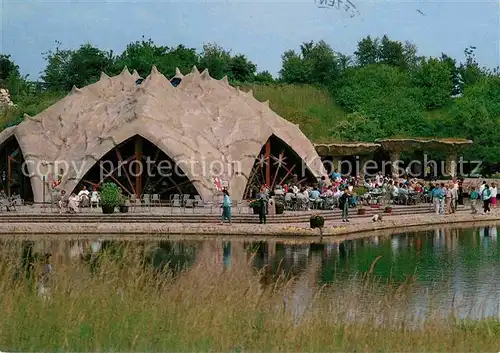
column 125, row 306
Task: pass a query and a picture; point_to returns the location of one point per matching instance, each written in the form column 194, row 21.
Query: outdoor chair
column 217, row 203
column 189, row 203
column 175, row 201
column 198, row 202
column 94, row 199
column 209, row 203
column 243, row 204
column 185, row 197
column 147, row 202
column 155, row 199
column 137, row 203
column 301, row 204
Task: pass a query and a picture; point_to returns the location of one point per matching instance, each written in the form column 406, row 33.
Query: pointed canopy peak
column 135, row 75
column 154, row 71
column 104, row 76
column 178, row 72
column 225, row 81
column 237, row 89
column 250, row 93
column 205, row 75
column 266, row 103
column 125, row 72
column 194, row 70
column 75, row 90
column 27, row 117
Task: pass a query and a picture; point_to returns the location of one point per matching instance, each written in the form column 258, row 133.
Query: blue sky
column 262, row 30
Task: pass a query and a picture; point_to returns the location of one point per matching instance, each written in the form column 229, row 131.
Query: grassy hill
column 308, row 106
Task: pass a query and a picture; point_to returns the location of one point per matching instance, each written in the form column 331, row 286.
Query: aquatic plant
column 126, row 305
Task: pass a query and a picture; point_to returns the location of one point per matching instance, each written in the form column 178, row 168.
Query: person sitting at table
column 335, row 176
column 314, row 196
column 73, row 202
column 84, row 197
column 328, row 192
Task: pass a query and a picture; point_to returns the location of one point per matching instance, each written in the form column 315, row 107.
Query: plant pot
column 361, row 211
column 316, row 222
column 123, row 209
column 388, row 210
column 107, row 209
column 280, row 208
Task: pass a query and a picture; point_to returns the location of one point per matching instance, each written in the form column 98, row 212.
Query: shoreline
column 333, row 231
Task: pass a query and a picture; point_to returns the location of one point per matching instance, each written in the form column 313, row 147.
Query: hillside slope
column 308, row 106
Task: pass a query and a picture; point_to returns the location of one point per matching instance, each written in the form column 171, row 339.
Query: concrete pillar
column 451, row 164
column 363, row 159
column 395, row 157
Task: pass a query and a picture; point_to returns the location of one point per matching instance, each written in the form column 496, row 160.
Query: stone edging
column 173, row 230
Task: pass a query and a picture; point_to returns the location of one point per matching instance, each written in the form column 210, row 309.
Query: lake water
column 451, row 269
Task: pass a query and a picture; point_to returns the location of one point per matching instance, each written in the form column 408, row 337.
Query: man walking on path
column 486, row 197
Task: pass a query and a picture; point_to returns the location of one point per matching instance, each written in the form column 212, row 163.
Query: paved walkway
column 334, row 230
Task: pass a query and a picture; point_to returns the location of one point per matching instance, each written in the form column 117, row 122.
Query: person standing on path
column 474, row 196
column 344, row 205
column 454, row 198
column 436, row 199
column 226, row 207
column 486, row 197
column 263, row 198
column 494, row 193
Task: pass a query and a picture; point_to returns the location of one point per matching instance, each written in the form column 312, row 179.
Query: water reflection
column 460, row 267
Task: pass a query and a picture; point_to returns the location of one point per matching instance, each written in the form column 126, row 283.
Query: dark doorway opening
column 277, row 164
column 139, row 167
column 14, row 178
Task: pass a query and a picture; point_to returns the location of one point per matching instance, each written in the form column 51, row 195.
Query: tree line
column 385, row 87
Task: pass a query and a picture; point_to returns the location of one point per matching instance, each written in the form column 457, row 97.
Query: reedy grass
column 127, row 306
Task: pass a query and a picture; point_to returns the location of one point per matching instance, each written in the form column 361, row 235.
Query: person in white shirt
column 481, row 188
column 84, row 197
column 494, row 193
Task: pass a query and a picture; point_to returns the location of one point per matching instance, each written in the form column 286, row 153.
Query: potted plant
column 280, row 207
column 388, row 209
column 255, row 205
column 317, row 221
column 111, row 197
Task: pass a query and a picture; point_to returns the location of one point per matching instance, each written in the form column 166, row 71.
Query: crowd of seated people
column 72, row 203
column 325, row 193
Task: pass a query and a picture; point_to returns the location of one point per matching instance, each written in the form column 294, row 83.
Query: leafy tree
column 470, row 71
column 316, row 64
column 434, row 81
column 216, row 59
column 142, row 55
column 457, row 84
column 367, row 52
column 80, row 67
column 293, row 69
column 7, row 67
column 392, row 53
column 264, row 77
column 476, row 115
column 242, row 69
column 382, row 93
